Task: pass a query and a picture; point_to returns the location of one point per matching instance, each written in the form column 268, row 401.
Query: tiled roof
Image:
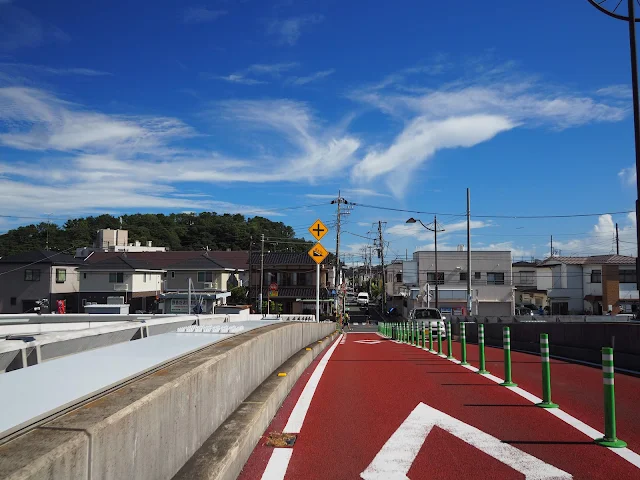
column 291, row 292
column 182, row 259
column 592, row 260
column 119, row 262
column 285, row 258
column 42, row 256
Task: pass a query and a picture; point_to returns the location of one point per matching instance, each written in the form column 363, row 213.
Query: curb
column 224, row 454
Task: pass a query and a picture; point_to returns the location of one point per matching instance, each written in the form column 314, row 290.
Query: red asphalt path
column 368, row 390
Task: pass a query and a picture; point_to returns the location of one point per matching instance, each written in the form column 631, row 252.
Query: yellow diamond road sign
column 318, row 253
column 318, row 230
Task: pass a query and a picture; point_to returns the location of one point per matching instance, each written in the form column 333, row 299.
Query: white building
column 596, row 284
column 109, row 240
column 491, row 281
column 525, row 281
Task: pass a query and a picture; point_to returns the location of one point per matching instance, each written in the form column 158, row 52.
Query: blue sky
column 272, row 107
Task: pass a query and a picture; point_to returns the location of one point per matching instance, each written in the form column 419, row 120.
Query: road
column 383, row 410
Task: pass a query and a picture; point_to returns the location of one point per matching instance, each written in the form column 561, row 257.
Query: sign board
column 273, row 293
column 318, row 253
column 179, row 305
column 318, row 230
column 397, row 455
column 410, row 272
column 446, row 310
column 273, row 287
column 457, row 311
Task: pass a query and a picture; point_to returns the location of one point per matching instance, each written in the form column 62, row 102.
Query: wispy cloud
column 356, row 192
column 274, row 69
column 418, row 232
column 236, row 78
column 288, row 30
column 201, row 15
column 314, row 77
column 628, row 176
column 616, row 91
column 21, row 29
column 43, row 69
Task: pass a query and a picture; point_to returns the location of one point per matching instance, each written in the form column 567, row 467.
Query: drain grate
column 277, row 439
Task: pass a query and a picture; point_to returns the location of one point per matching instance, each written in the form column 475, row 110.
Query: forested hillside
column 179, row 231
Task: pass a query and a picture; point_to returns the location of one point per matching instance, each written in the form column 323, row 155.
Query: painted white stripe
column 607, row 357
column 278, row 464
column 397, row 455
column 545, row 359
column 299, row 412
column 470, row 367
column 544, row 350
column 607, row 381
column 607, row 369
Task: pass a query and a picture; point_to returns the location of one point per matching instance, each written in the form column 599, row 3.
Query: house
column 40, row 274
column 104, row 276
column 592, row 285
column 491, row 281
column 208, row 275
column 525, row 281
column 294, row 275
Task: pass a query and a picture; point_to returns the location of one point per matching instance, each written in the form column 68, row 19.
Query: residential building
column 109, row 240
column 40, row 274
column 591, row 285
column 137, row 282
column 492, row 289
column 525, row 281
column 294, row 274
column 393, row 278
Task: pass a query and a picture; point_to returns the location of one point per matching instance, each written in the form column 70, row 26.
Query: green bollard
column 506, row 341
column 411, row 341
column 483, row 368
column 609, row 439
column 546, row 373
column 424, row 337
column 449, row 342
column 430, row 337
column 440, row 342
column 463, row 344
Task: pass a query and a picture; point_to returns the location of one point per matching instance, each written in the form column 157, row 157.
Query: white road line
column 299, row 412
column 278, row 464
column 629, row 455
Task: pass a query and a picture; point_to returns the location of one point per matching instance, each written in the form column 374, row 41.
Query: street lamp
column 435, row 229
column 611, row 8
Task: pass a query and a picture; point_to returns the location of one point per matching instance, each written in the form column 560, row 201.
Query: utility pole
column 617, row 241
column 469, row 297
column 381, row 250
column 261, row 273
column 435, row 237
column 552, row 245
column 48, row 223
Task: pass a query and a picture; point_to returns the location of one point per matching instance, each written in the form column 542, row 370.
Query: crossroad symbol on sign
column 395, row 458
column 318, row 253
column 318, row 230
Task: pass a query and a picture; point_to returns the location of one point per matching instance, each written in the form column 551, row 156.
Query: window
column 205, row 277
column 431, row 277
column 13, row 300
column 527, row 278
column 116, row 277
column 84, row 275
column 627, row 276
column 478, row 275
column 596, row 276
column 494, row 278
column 303, row 280
column 463, row 276
column 61, row 275
column 399, row 277
column 144, row 277
column 173, row 274
column 31, row 275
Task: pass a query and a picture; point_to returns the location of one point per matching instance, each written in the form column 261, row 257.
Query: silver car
column 435, row 318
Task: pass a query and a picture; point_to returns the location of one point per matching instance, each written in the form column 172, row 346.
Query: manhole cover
column 277, row 439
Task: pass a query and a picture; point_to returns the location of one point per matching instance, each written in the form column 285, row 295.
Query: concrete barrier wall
column 151, row 427
column 575, row 341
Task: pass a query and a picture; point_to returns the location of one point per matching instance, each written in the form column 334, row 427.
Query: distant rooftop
column 591, row 260
column 47, row 257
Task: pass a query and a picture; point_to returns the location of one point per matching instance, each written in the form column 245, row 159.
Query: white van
column 363, row 298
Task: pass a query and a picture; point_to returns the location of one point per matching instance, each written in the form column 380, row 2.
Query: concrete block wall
column 149, row 428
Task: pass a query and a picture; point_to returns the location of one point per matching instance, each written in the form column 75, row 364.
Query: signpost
column 273, row 292
column 318, row 253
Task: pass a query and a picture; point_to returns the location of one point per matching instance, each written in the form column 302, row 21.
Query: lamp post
column 611, row 8
column 435, row 229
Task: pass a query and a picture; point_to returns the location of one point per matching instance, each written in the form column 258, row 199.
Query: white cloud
column 516, row 251
column 616, row 91
column 237, row 78
column 420, row 233
column 88, row 72
column 602, row 238
column 201, row 15
column 311, row 78
column 273, row 68
column 420, row 140
column 289, row 30
column 356, row 192
column 628, row 176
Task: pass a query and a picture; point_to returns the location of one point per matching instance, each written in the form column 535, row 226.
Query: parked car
column 523, row 311
column 363, row 299
column 435, row 318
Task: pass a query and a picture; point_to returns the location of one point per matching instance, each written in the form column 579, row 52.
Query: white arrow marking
column 395, row 458
column 368, row 342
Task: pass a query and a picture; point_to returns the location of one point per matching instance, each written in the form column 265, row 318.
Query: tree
column 238, row 296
